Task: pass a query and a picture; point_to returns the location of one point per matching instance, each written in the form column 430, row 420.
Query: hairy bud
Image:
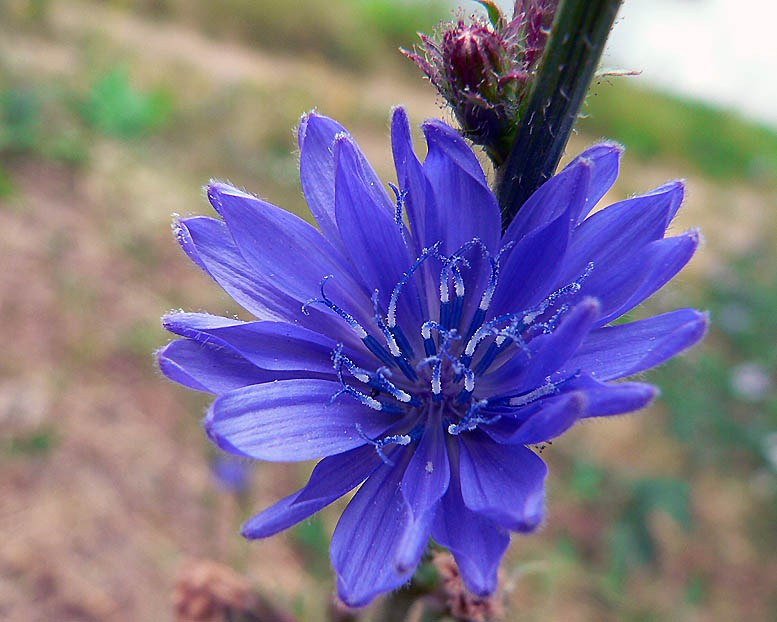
column 482, row 67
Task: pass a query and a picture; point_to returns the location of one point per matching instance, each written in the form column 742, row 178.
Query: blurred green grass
column 719, row 143
column 350, row 33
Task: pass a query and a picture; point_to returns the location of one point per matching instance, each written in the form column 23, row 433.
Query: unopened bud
column 474, row 55
column 483, row 69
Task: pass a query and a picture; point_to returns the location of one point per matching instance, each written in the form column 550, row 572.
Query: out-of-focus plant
column 723, row 402
column 20, row 120
column 114, row 106
column 719, row 143
column 398, row 21
column 631, row 541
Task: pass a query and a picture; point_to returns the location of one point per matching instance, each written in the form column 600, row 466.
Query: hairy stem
column 567, row 67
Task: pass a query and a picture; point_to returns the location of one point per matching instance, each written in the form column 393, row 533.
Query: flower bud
column 482, row 68
column 474, row 56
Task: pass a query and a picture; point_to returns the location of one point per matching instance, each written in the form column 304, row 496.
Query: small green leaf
column 494, row 13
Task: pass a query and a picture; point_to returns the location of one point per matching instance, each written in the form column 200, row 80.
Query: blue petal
column 331, row 479
column 414, row 539
column 184, row 238
column 428, row 473
column 548, row 419
column 424, row 483
column 477, row 542
column 504, row 482
column 368, row 534
column 656, row 265
column 287, row 251
column 615, row 234
column 551, row 200
column 208, row 242
column 208, row 367
column 618, row 351
column 528, row 276
column 467, row 207
column 269, row 345
column 316, row 135
column 373, row 239
column 613, row 398
column 605, row 162
column 220, row 441
column 546, row 354
column 419, row 199
column 292, row 420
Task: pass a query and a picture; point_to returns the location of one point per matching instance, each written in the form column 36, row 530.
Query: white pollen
column 529, row 317
column 542, row 391
column 373, row 403
column 394, row 347
column 429, row 466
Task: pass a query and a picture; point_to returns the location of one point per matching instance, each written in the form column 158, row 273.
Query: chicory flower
column 416, row 349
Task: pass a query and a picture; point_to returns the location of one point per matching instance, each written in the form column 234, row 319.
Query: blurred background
column 113, row 115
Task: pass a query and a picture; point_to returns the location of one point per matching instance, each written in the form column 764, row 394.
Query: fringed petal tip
column 217, row 190
column 695, row 234
column 604, row 146
column 398, row 112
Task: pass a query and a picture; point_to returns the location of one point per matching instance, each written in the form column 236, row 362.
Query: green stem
column 567, row 67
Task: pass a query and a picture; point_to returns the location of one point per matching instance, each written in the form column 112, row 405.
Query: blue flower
column 231, row 474
column 419, row 351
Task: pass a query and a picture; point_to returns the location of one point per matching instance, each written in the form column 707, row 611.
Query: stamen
column 488, row 294
column 493, row 350
column 391, row 341
column 399, row 205
column 566, row 290
column 435, row 360
column 522, row 400
column 550, row 325
column 377, row 380
column 519, row 322
column 404, row 344
column 340, row 360
column 480, row 334
column 426, row 334
column 367, row 400
column 451, row 269
column 393, row 346
column 397, row 439
column 504, row 337
column 391, row 317
column 355, row 326
column 472, row 420
column 437, row 381
column 469, row 384
column 458, row 300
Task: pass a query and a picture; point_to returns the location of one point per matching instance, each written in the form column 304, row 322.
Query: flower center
column 408, row 383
